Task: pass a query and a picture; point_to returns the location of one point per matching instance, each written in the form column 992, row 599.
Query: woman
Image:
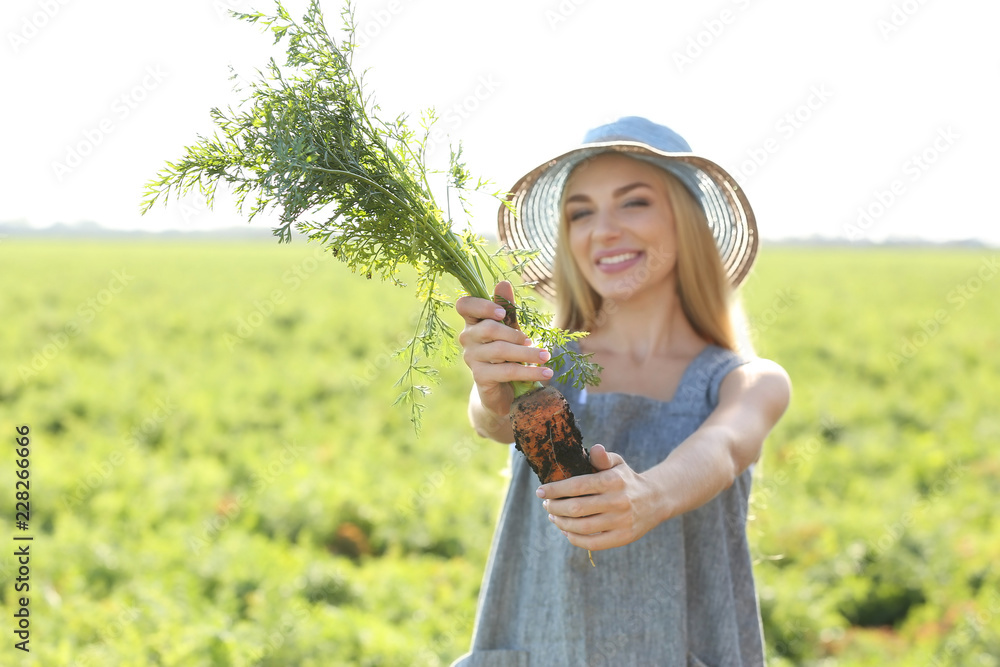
column 649, row 243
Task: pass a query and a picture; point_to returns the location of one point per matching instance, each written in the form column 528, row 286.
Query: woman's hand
column 616, row 505
column 496, row 353
column 610, row 508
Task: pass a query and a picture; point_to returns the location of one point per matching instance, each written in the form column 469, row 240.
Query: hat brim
column 535, row 199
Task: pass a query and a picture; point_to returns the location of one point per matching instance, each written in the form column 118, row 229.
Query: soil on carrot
column 545, row 431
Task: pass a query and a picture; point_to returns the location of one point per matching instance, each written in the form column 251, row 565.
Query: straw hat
column 537, row 195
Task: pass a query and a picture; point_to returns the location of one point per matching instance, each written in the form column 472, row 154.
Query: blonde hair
column 703, row 288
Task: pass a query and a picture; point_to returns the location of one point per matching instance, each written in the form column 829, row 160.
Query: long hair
column 703, row 288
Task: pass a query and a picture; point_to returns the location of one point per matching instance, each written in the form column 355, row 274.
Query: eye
column 577, row 214
column 637, row 202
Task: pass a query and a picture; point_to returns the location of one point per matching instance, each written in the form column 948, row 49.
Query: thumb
column 503, row 295
column 602, row 459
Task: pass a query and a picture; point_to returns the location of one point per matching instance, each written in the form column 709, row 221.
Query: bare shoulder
column 760, row 382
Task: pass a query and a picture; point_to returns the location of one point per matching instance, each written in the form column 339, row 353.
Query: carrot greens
column 308, row 143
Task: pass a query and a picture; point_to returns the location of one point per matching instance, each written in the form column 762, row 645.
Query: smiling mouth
column 617, row 259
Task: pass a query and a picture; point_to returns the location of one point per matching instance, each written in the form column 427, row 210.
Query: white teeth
column 614, row 259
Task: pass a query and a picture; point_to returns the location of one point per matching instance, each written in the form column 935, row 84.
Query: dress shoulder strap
column 702, row 379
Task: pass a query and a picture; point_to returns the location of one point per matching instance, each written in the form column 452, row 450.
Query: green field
column 218, row 477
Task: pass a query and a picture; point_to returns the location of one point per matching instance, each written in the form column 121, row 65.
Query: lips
column 614, row 261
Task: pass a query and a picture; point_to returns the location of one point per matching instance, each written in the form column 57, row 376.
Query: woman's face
column 621, row 226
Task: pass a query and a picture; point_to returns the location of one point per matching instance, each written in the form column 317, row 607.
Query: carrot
column 545, row 431
column 307, row 142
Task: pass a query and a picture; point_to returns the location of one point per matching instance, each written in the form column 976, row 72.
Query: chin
column 628, row 288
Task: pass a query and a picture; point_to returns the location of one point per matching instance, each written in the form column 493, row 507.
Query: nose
column 606, row 224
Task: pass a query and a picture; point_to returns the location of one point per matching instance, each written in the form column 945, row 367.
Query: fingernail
column 540, row 492
column 552, row 518
column 528, row 342
column 545, row 504
column 501, row 313
column 547, row 372
column 544, row 355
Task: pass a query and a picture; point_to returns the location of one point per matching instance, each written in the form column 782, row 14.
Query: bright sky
column 823, row 110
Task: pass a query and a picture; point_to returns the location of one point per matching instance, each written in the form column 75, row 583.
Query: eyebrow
column 617, row 193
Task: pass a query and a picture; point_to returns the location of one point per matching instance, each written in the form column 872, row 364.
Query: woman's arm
column 497, row 355
column 617, row 505
column 751, row 400
column 486, row 423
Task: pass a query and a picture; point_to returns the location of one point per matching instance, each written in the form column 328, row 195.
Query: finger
column 503, row 295
column 473, row 310
column 598, row 541
column 486, row 373
column 498, row 351
column 588, row 525
column 488, row 331
column 581, row 485
column 602, row 459
column 578, row 506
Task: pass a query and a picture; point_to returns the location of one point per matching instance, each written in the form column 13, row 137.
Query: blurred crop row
column 220, row 477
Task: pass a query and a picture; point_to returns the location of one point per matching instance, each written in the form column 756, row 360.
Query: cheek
column 670, row 237
column 578, row 248
column 662, row 233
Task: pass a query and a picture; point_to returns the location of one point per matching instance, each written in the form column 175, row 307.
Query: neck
column 648, row 323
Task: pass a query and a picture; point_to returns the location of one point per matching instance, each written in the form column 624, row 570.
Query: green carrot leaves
column 308, row 144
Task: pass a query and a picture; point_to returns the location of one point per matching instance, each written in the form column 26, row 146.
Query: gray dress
column 681, row 595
